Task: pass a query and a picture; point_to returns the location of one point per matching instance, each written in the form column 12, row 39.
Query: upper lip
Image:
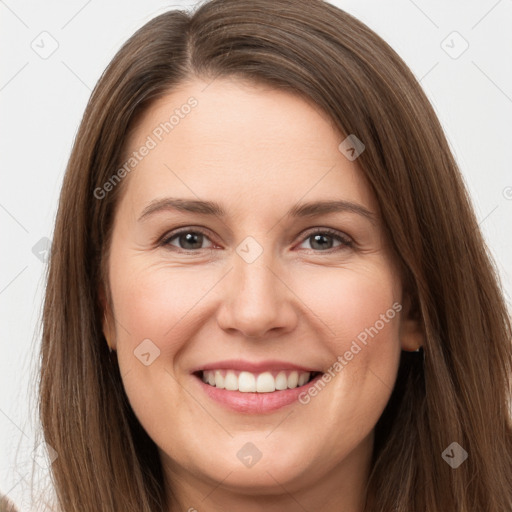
column 254, row 367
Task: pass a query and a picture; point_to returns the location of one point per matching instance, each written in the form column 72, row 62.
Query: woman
column 267, row 287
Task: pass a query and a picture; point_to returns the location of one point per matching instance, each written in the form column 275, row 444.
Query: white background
column 42, row 101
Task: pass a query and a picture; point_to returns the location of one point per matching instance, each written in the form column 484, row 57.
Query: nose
column 257, row 300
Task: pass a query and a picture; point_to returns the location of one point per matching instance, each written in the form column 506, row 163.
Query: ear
column 411, row 332
column 107, row 320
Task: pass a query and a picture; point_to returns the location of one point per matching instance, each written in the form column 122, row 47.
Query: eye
column 321, row 240
column 325, row 239
column 187, row 240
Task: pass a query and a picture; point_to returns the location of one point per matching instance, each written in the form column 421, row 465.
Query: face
column 248, row 251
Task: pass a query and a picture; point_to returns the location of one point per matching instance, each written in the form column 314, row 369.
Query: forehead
column 230, row 139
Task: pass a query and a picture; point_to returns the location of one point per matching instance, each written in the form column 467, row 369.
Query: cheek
column 156, row 308
column 351, row 300
column 155, row 302
column 361, row 312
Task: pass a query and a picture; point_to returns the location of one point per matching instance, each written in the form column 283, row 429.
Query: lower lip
column 255, row 403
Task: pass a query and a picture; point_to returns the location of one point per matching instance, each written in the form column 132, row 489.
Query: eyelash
column 345, row 241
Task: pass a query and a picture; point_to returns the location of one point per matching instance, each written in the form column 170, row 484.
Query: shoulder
column 6, row 505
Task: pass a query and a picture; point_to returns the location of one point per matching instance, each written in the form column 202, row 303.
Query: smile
column 249, row 382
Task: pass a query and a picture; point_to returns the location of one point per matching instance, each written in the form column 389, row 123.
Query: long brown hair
column 456, row 390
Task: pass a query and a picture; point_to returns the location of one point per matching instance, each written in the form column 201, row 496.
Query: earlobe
column 411, row 335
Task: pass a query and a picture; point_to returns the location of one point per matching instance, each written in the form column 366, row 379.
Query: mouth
column 271, row 381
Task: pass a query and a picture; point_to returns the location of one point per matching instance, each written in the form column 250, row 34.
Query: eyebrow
column 311, row 209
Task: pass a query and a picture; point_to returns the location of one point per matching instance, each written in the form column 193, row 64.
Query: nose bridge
column 256, row 301
column 256, row 279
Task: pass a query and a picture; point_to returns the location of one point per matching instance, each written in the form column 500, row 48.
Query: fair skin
column 257, row 152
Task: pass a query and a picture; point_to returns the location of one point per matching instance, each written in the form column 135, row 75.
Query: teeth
column 303, row 378
column 281, row 381
column 293, row 380
column 219, row 379
column 265, row 383
column 247, row 382
column 231, row 381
